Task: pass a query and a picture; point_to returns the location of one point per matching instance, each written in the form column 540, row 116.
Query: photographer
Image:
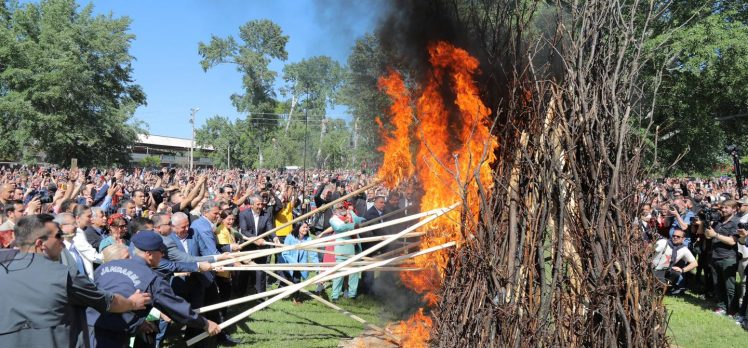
column 668, row 254
column 742, row 216
column 724, row 236
column 682, row 217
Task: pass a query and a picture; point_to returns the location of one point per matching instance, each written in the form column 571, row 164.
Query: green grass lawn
column 692, row 324
column 311, row 324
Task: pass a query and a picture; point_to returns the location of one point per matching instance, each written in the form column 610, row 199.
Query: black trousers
column 248, row 282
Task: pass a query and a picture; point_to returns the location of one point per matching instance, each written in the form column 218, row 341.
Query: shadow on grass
column 695, row 300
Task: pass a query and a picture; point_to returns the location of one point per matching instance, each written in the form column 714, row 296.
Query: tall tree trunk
column 354, row 156
column 322, row 132
column 294, row 100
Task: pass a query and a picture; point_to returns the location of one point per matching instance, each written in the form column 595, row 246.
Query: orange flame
column 415, row 331
column 396, row 144
column 454, row 149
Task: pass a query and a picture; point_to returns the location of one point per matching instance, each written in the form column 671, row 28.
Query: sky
column 167, row 33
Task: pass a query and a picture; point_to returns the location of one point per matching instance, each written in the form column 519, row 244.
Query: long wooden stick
column 267, row 252
column 315, row 268
column 327, row 278
column 293, row 288
column 304, row 216
column 316, row 250
column 384, row 216
column 395, row 251
column 335, row 307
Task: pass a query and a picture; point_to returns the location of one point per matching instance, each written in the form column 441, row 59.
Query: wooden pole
column 304, row 216
column 316, row 250
column 395, row 251
column 293, row 288
column 381, row 218
column 328, row 278
column 316, row 268
column 267, row 252
column 335, row 307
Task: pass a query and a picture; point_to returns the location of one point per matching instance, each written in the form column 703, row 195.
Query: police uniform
column 38, row 296
column 125, row 277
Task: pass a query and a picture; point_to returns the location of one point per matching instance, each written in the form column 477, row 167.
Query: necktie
column 78, row 260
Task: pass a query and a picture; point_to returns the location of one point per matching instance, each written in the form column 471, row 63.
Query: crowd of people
column 113, row 257
column 697, row 230
column 116, row 258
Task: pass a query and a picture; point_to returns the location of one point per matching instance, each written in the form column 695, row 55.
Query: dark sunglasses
column 57, row 236
column 679, row 237
column 121, row 225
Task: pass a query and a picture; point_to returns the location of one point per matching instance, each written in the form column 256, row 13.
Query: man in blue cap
column 128, row 276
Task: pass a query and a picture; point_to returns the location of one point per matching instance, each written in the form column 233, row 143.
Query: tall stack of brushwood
column 555, row 259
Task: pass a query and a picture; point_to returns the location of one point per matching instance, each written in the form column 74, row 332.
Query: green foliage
column 262, row 41
column 66, row 84
column 704, row 82
column 263, row 139
column 150, row 161
column 366, row 63
column 317, row 80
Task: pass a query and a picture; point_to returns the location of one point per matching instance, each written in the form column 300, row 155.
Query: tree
column 366, row 63
column 66, row 87
column 218, row 133
column 262, row 41
column 318, row 80
column 704, row 82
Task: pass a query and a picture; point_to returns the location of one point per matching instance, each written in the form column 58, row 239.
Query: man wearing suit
column 207, row 246
column 181, row 246
column 95, row 231
column 372, row 214
column 254, row 222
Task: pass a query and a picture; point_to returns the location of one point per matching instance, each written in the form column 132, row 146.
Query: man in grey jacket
column 38, row 291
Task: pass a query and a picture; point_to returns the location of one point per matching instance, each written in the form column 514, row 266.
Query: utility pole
column 193, row 111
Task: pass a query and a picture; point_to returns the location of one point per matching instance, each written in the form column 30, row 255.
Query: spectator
column 254, row 222
column 41, row 291
column 343, row 220
column 91, row 257
column 117, row 232
column 133, row 276
column 724, row 257
column 115, row 252
column 669, row 257
column 6, row 193
column 96, row 231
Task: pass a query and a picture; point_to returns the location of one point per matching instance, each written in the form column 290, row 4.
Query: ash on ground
column 369, row 338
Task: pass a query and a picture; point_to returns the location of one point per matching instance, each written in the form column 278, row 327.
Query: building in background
column 173, row 152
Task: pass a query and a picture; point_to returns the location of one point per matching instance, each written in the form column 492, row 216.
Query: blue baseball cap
column 148, row 241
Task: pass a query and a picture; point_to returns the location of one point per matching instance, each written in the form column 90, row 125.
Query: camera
column 710, row 216
column 732, row 150
column 743, row 226
column 43, row 195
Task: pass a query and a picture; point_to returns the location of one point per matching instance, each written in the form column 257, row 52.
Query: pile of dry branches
column 556, row 259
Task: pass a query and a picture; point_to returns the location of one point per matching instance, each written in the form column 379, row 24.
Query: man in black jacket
column 254, row 222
